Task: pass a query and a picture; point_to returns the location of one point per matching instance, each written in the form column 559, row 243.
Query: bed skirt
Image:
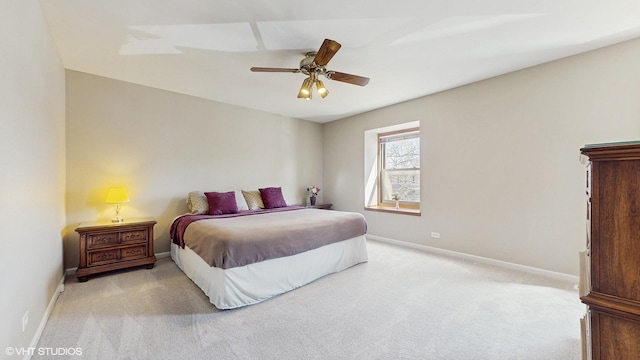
column 253, row 283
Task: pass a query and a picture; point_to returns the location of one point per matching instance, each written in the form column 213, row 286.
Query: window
column 392, row 168
column 399, row 157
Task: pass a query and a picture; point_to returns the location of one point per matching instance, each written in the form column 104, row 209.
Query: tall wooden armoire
column 611, row 274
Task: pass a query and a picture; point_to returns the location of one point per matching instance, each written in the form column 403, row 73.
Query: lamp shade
column 305, row 89
column 321, row 89
column 117, row 195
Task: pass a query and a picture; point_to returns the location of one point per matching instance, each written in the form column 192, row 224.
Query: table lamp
column 117, row 195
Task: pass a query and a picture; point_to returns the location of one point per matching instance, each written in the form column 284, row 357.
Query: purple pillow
column 272, row 197
column 222, row 203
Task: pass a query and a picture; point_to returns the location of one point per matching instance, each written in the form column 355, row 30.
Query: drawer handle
column 103, row 240
column 105, row 256
column 133, row 252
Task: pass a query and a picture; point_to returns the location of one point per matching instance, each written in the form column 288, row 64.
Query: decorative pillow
column 222, row 203
column 272, row 197
column 254, row 199
column 198, row 203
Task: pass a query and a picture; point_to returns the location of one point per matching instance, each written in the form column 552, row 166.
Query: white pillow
column 240, row 201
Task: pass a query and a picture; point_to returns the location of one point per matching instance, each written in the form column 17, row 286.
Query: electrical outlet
column 25, row 320
column 435, row 235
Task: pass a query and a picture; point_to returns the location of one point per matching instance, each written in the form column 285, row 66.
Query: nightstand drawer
column 115, row 255
column 103, row 257
column 134, row 236
column 102, row 240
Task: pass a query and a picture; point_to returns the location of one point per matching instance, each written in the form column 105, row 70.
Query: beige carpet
column 402, row 304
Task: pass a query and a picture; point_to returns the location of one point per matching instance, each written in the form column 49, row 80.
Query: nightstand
column 106, row 246
column 319, row 206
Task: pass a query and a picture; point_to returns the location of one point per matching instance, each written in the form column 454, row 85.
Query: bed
column 254, row 253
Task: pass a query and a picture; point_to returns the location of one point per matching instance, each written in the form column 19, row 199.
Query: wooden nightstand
column 319, row 206
column 106, row 246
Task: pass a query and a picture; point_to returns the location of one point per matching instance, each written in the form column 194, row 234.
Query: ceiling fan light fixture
column 321, row 89
column 305, row 89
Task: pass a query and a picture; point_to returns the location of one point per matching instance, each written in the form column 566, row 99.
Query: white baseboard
column 572, row 279
column 163, row 254
column 45, row 318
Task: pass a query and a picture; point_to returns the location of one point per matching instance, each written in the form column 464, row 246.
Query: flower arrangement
column 396, row 197
column 313, row 190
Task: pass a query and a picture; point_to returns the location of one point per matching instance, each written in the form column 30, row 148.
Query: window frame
column 390, row 204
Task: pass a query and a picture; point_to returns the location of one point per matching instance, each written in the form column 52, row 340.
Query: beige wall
column 501, row 172
column 32, row 176
column 161, row 145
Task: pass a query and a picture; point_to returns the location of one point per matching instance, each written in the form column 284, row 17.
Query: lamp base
column 117, row 219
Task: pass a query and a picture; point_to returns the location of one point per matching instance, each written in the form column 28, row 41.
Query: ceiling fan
column 313, row 65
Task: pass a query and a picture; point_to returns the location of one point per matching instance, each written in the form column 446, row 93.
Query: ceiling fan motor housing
column 308, row 66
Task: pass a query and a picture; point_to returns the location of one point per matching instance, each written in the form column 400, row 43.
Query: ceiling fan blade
column 327, row 50
column 347, row 78
column 266, row 69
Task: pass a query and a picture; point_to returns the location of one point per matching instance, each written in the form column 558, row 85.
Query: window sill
column 392, row 209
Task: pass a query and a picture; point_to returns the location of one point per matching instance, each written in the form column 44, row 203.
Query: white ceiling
column 409, row 48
